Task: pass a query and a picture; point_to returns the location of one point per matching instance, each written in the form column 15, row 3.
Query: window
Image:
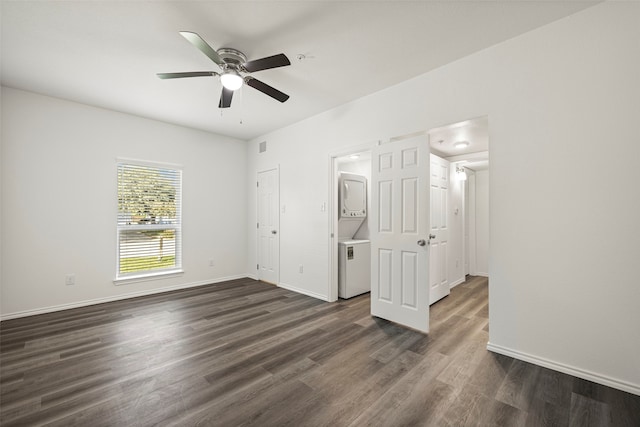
column 149, row 220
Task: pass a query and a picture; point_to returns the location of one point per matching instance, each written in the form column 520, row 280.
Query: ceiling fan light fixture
column 231, row 80
column 233, row 64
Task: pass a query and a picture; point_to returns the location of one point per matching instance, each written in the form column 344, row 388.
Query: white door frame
column 471, row 212
column 277, row 169
column 465, row 231
column 332, row 291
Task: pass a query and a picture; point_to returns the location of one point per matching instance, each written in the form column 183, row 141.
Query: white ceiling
column 106, row 53
column 475, row 132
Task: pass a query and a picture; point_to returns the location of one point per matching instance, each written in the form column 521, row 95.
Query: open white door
column 268, row 226
column 399, row 225
column 439, row 234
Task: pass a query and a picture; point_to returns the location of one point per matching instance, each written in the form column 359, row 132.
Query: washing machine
column 354, row 268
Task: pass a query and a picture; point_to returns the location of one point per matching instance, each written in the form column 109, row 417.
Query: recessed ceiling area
column 444, row 142
column 364, row 156
column 107, row 53
column 465, row 143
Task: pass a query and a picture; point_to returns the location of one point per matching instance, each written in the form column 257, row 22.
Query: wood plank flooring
column 248, row 353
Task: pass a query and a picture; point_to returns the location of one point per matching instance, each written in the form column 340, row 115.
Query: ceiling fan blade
column 187, row 74
column 225, row 98
column 202, row 45
column 266, row 89
column 275, row 61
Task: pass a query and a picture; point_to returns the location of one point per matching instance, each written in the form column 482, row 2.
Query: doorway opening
column 357, row 162
column 462, row 208
column 455, row 154
column 398, row 227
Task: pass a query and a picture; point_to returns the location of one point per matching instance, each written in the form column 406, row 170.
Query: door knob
column 274, row 232
column 421, row 242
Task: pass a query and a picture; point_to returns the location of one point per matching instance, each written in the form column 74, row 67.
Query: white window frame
column 151, row 274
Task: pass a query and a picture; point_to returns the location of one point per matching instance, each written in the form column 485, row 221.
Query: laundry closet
column 354, row 247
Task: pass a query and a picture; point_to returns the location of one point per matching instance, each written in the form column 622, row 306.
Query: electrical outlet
column 211, row 263
column 70, row 279
column 301, row 269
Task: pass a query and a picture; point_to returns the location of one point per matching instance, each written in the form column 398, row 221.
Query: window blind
column 149, row 220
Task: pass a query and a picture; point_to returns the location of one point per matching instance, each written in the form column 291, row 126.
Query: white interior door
column 399, row 232
column 439, row 234
column 268, row 226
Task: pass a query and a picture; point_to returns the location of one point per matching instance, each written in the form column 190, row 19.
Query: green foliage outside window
column 147, row 196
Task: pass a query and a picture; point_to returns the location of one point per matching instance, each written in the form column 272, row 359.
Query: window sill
column 147, row 277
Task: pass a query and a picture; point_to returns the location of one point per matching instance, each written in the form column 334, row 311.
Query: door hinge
column 257, row 266
column 257, row 183
column 257, row 225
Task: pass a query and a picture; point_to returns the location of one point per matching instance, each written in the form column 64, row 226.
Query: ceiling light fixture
column 461, row 144
column 231, row 79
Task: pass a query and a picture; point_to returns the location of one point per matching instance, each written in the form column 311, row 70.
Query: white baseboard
column 561, row 367
column 85, row 303
column 303, row 291
column 253, row 276
column 479, row 273
column 457, row 282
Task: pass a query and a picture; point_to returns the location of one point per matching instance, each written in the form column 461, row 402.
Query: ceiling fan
column 233, row 64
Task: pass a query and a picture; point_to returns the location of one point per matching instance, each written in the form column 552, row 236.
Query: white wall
column 59, row 201
column 563, row 222
column 482, row 223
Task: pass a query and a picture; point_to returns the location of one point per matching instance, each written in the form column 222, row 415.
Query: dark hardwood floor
column 247, row 353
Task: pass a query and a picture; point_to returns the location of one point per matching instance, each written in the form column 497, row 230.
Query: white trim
column 471, row 213
column 457, row 282
column 465, row 232
column 257, row 248
column 479, row 155
column 303, row 291
column 571, row 370
column 149, row 163
column 177, row 227
column 332, row 217
column 479, row 273
column 163, row 274
column 253, row 276
column 409, row 135
column 128, row 295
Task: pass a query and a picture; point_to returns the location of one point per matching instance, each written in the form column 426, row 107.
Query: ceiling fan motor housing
column 232, row 58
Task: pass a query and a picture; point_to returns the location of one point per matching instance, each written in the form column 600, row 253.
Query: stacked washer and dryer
column 354, row 255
